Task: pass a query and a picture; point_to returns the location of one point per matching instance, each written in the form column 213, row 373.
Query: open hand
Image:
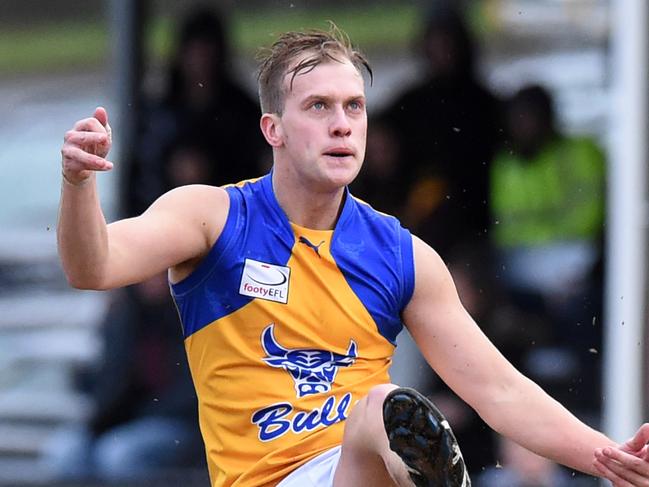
column 627, row 465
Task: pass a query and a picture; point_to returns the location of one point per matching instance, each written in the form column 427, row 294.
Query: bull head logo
column 313, row 371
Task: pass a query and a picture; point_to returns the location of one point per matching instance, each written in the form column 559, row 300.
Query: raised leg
column 396, row 437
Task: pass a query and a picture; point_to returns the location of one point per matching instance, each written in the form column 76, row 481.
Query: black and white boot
column 421, row 436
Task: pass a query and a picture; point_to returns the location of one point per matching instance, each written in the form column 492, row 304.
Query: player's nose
column 340, row 126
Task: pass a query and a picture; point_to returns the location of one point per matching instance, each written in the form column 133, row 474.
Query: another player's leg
column 423, row 439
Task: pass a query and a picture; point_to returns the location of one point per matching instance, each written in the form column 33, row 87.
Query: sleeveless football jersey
column 286, row 328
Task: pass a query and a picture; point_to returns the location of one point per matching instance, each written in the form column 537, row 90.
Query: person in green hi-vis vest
column 547, row 192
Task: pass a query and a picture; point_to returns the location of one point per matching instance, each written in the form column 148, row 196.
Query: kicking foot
column 422, row 437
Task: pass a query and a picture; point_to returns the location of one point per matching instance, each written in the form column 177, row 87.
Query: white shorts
column 317, row 472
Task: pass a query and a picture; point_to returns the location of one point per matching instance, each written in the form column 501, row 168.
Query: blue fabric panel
column 256, row 228
column 374, row 253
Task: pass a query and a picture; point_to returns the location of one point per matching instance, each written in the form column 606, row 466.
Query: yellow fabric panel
column 233, row 381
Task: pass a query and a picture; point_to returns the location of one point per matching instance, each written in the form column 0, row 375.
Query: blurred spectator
column 446, row 129
column 145, row 411
column 377, row 182
column 518, row 467
column 547, row 197
column 202, row 101
column 187, row 161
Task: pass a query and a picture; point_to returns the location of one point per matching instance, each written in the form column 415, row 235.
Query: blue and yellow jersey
column 286, row 328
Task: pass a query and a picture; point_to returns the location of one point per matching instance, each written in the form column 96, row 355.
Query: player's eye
column 318, row 106
column 355, row 106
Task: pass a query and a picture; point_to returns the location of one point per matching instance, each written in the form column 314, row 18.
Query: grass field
column 46, row 48
column 381, row 28
column 51, row 47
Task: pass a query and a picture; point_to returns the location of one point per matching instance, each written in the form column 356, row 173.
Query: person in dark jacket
column 202, row 101
column 447, row 128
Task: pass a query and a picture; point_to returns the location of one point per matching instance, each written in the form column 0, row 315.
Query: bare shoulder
column 192, row 194
column 176, row 231
column 201, row 212
column 199, row 206
column 430, row 269
column 433, row 283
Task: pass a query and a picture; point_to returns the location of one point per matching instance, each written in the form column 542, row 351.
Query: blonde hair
column 320, row 46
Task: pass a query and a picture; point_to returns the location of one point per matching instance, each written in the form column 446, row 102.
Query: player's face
column 324, row 125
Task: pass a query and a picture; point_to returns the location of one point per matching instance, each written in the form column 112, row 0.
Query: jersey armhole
column 407, row 267
column 218, row 250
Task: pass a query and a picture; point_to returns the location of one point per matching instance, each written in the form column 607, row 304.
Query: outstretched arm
column 466, row 360
column 175, row 232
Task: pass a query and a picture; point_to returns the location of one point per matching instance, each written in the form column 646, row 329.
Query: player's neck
column 306, row 207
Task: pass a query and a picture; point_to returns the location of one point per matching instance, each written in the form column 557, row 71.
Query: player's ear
column 271, row 127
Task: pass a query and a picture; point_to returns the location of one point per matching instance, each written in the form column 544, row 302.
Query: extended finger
column 102, row 115
column 607, row 473
column 626, row 466
column 626, row 459
column 77, row 159
column 90, row 124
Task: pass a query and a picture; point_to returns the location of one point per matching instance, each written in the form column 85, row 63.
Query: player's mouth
column 339, row 152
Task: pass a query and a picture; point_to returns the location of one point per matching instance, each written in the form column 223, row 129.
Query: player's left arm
column 509, row 402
